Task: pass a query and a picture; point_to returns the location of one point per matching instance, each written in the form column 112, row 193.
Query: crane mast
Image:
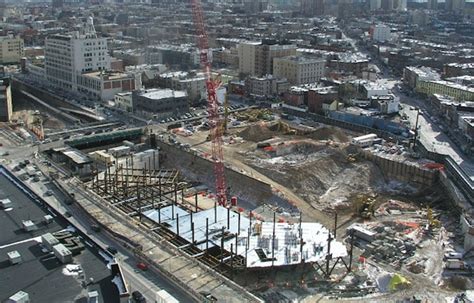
column 212, row 85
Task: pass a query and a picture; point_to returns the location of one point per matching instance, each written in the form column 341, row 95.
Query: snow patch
column 72, row 270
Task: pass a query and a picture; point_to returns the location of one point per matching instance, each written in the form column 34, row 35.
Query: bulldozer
column 365, row 206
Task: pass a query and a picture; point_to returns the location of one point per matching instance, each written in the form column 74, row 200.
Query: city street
column 431, row 135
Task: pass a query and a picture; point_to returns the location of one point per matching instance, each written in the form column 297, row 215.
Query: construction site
column 282, row 209
column 257, row 205
column 309, row 212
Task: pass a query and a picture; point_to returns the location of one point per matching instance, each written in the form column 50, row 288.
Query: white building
column 374, row 89
column 68, row 56
column 299, row 70
column 12, row 49
column 381, row 33
column 124, row 101
column 386, row 104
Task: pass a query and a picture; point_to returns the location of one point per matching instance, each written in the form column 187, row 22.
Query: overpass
column 56, row 111
column 83, row 113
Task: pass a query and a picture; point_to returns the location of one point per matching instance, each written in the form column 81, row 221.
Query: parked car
column 112, row 250
column 142, row 266
column 208, row 297
column 138, row 297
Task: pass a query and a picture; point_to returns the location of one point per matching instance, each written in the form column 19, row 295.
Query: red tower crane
column 214, row 118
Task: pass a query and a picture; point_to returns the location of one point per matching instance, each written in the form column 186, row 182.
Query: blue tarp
column 373, row 122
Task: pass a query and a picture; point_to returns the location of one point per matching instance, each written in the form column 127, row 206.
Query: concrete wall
column 402, row 171
column 468, row 230
column 200, row 169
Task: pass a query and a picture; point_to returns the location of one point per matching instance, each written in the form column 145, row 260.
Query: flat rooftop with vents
column 29, row 266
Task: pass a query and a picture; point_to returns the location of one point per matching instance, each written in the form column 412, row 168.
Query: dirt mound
column 329, row 133
column 257, row 132
column 325, row 178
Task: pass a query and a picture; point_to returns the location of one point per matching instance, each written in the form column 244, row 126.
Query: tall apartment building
column 6, row 107
column 312, row 8
column 69, row 56
column 184, row 56
column 432, row 4
column 380, row 32
column 455, row 5
column 299, row 70
column 255, row 6
column 12, row 49
column 256, row 58
column 400, row 5
column 375, row 5
column 246, row 52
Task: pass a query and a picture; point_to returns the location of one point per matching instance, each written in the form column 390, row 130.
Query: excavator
column 365, row 206
column 284, row 128
column 432, row 222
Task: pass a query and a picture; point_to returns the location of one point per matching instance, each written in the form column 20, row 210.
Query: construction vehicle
column 37, row 125
column 365, row 206
column 351, row 158
column 254, row 115
column 284, row 128
column 432, row 222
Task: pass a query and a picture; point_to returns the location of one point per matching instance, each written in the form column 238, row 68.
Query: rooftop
column 453, row 85
column 301, row 59
column 461, row 65
column 39, row 270
column 352, row 58
column 157, row 94
column 424, row 72
column 108, row 75
column 77, row 156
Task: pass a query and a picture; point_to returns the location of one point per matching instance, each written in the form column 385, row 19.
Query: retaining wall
column 201, row 169
column 403, row 171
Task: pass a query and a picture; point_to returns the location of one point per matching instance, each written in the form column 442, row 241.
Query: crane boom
column 212, row 85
